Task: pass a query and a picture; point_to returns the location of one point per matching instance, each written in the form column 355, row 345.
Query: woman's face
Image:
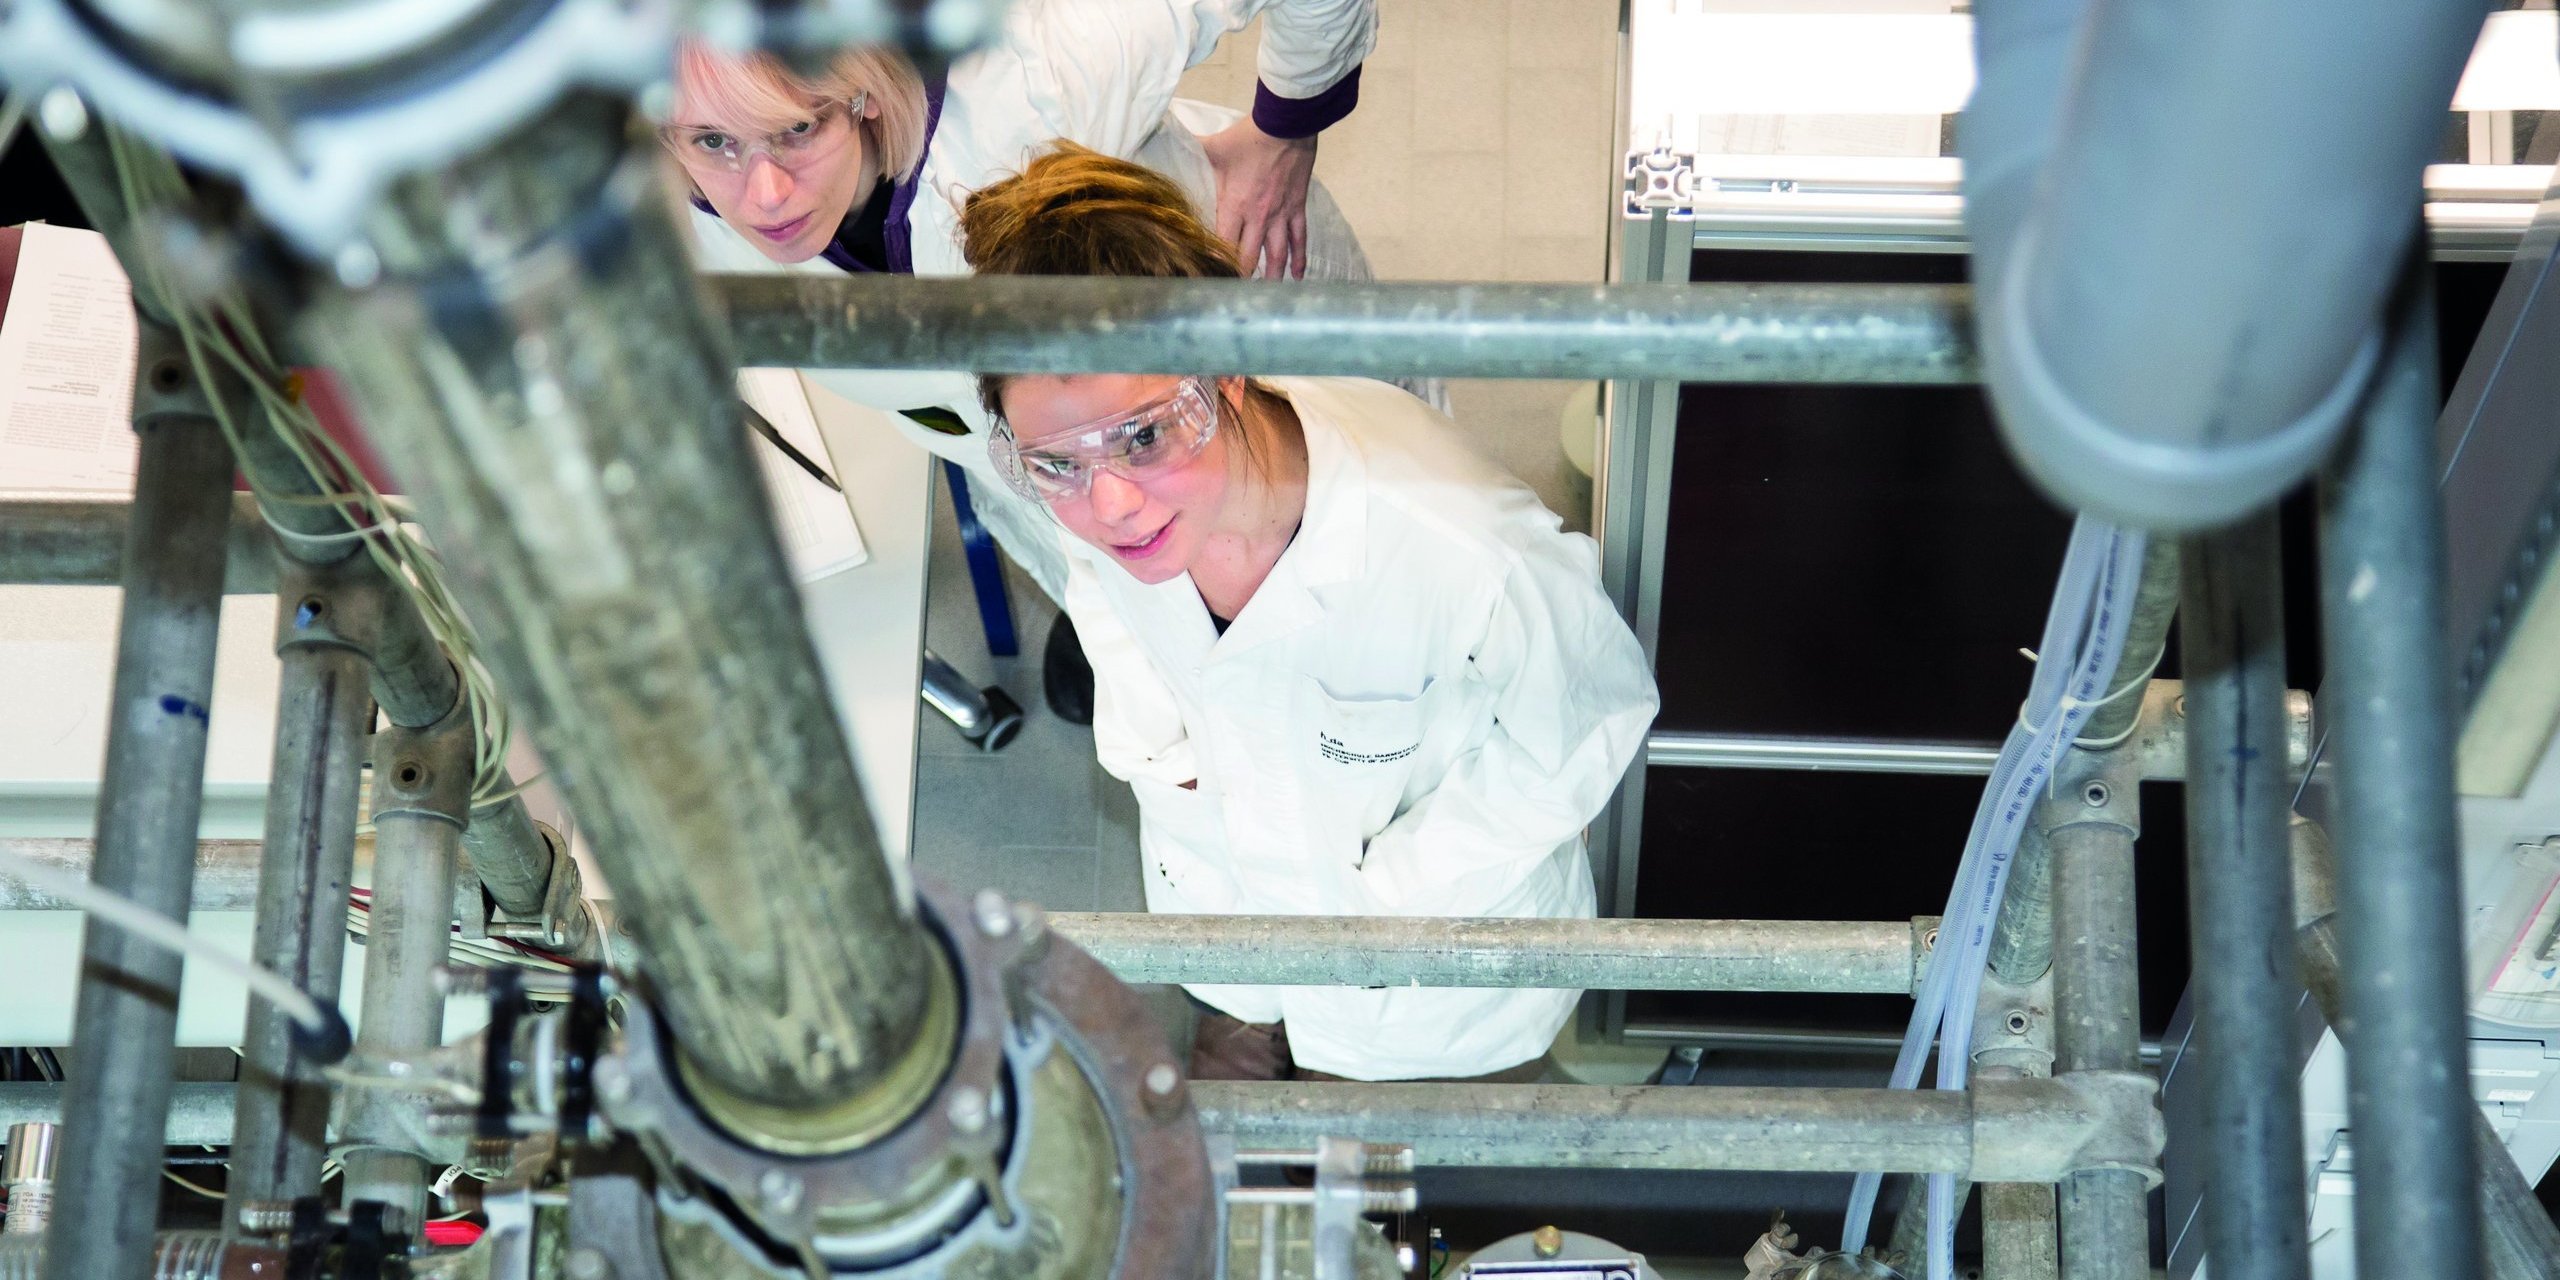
column 1155, row 528
column 786, row 189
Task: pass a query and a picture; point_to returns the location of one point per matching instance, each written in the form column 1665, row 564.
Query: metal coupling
column 2029, row 1130
column 27, row 1172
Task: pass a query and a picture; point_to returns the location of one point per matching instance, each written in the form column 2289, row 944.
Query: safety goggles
column 718, row 151
column 1134, row 444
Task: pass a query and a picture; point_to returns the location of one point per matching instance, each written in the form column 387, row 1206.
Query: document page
column 66, row 369
column 814, row 521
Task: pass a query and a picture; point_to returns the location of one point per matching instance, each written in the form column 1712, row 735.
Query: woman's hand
column 1262, row 196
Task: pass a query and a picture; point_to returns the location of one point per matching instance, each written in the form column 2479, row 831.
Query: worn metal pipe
column 2158, row 742
column 2389, row 700
column 2519, row 1240
column 2240, row 902
column 421, row 799
column 226, row 875
column 1439, row 951
column 124, row 1028
column 79, row 544
column 569, row 421
column 2032, row 1128
column 2097, row 1009
column 1670, row 332
column 323, row 710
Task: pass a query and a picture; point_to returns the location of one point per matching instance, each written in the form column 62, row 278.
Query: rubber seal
column 2092, row 466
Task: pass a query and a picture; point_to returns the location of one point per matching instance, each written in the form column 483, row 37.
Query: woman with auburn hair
column 863, row 167
column 1348, row 667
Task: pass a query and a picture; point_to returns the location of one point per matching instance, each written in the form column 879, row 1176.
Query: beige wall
column 1482, row 150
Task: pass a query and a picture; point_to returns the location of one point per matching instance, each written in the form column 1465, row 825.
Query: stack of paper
column 66, row 369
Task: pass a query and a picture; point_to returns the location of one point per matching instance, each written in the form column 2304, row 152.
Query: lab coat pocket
column 1356, row 756
column 1182, row 844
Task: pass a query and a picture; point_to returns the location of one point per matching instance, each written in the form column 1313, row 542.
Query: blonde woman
column 865, row 168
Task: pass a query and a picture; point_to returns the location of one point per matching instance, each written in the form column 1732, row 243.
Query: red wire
column 454, row 1233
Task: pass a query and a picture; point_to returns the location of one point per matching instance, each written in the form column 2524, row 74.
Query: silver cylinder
column 1037, row 324
column 27, row 1173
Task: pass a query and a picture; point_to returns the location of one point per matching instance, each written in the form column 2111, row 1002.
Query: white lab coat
column 1416, row 714
column 1100, row 73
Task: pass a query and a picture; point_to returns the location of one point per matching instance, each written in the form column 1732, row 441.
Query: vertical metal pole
column 422, row 798
column 124, row 1033
column 2097, row 1009
column 2389, row 699
column 2240, row 902
column 324, row 630
column 1628, row 516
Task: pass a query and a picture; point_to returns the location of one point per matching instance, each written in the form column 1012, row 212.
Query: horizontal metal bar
column 1627, row 955
column 2021, row 1130
column 81, row 544
column 2159, row 743
column 1793, row 1040
column 1643, row 332
column 199, row 1114
column 226, row 872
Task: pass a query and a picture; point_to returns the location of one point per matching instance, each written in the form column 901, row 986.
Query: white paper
column 66, row 368
column 814, row 521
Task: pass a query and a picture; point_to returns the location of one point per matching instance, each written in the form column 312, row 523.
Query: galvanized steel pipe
column 81, row 544
column 2104, row 1214
column 2390, row 699
column 1439, row 951
column 199, row 1114
column 1917, row 334
column 2240, row 903
column 124, row 1030
column 2008, row 1130
column 226, row 876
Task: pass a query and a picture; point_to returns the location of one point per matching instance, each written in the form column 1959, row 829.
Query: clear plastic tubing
column 2083, row 640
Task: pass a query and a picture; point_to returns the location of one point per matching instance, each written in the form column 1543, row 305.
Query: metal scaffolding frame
column 2065, row 1105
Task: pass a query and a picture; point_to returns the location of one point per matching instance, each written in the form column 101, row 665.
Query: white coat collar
column 1331, row 545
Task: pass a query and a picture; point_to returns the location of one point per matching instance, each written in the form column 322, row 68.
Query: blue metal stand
column 986, row 572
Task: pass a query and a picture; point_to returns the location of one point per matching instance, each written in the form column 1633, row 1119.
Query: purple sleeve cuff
column 1305, row 117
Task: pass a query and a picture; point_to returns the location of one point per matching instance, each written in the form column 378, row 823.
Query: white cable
column 161, row 931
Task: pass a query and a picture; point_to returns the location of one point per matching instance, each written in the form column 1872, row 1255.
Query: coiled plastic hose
column 2083, row 640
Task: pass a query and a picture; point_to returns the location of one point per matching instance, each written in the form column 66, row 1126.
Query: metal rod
column 2159, row 743
column 1665, row 332
column 124, row 1041
column 2240, row 902
column 2519, row 1239
column 422, row 797
column 199, row 1114
column 2097, row 1010
column 1668, row 1127
column 2018, row 1241
column 226, row 875
column 76, row 544
column 1390, row 951
column 323, row 709
column 638, row 612
column 2389, row 697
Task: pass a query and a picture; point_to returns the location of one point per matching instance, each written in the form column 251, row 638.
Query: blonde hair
column 1074, row 211
column 756, row 92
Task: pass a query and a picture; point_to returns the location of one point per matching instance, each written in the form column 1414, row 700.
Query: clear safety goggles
column 803, row 143
column 1135, row 444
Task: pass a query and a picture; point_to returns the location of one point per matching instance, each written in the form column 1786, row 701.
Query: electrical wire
column 199, row 1188
column 220, row 335
column 221, row 332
